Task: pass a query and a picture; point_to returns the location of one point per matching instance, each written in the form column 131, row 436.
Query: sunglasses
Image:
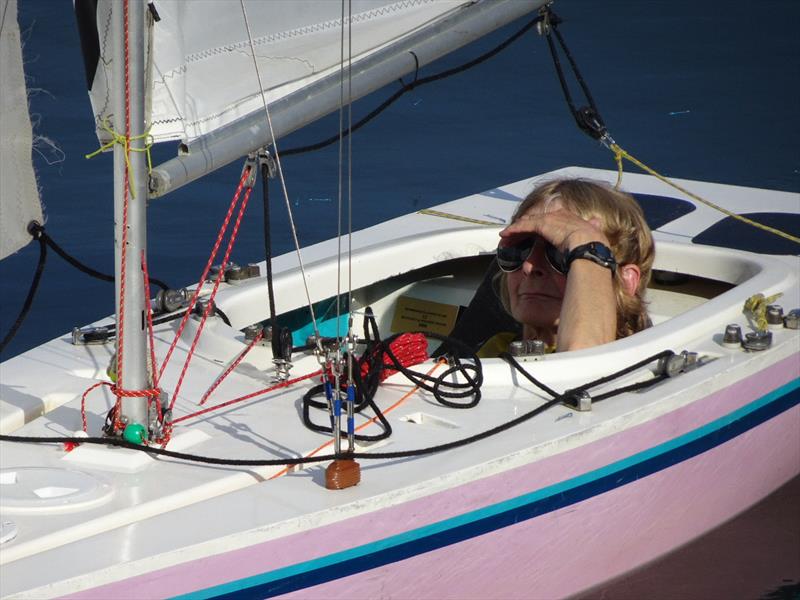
column 510, row 258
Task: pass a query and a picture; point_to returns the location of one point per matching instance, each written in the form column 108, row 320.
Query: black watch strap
column 596, row 252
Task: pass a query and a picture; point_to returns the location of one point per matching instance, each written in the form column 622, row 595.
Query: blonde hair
column 622, row 222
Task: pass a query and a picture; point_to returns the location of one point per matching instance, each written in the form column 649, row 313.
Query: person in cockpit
column 574, row 265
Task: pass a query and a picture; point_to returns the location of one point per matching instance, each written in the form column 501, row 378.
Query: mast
column 130, row 193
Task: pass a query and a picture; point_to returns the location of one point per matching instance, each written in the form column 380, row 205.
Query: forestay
column 19, row 194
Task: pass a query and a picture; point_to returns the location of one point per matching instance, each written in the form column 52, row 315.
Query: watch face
column 601, row 251
column 596, row 252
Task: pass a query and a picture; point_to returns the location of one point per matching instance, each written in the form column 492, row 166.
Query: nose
column 535, row 263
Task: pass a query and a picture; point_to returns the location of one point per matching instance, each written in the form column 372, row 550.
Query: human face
column 536, row 290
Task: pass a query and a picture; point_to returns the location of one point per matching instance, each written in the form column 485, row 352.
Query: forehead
column 552, row 203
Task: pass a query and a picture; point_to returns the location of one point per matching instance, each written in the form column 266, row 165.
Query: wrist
column 594, row 251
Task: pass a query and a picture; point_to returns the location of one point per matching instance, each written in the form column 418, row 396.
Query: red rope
column 277, row 386
column 204, row 275
column 210, row 303
column 409, row 348
column 155, row 392
column 83, row 401
column 148, row 393
column 233, row 365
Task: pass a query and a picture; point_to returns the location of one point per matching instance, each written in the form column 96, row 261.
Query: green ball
column 135, row 433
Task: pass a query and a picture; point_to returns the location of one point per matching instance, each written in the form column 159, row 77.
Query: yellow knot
column 125, row 142
column 755, row 307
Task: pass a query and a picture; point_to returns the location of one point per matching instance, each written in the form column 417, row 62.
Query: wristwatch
column 595, row 252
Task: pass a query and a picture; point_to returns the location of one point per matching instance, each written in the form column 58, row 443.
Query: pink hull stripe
column 376, row 527
column 479, row 522
column 572, row 549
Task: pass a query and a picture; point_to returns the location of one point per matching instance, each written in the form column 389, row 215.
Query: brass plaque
column 412, row 314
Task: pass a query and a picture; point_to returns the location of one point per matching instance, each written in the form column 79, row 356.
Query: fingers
column 562, row 228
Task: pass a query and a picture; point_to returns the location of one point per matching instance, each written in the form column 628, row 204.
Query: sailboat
column 225, row 492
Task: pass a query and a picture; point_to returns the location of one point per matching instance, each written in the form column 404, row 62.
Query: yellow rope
column 124, row 141
column 619, row 154
column 756, row 306
column 446, row 215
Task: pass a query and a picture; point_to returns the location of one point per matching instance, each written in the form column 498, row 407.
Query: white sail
column 204, row 87
column 203, row 76
column 19, row 194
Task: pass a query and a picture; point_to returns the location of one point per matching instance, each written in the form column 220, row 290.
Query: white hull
column 627, row 473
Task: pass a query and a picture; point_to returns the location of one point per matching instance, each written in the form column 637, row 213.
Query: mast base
column 342, row 473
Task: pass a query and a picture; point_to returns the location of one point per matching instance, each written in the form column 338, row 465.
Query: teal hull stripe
column 508, row 512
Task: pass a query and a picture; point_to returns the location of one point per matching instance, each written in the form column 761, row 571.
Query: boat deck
column 128, row 514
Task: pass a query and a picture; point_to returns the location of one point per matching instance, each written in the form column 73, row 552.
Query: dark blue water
column 698, row 90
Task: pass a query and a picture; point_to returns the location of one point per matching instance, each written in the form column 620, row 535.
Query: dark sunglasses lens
column 510, row 258
column 556, row 258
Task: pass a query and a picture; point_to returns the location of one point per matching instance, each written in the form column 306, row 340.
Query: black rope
column 625, row 371
column 513, row 362
column 309, row 403
column 588, row 117
column 39, row 234
column 221, row 315
column 445, row 391
column 414, row 84
column 111, row 328
column 277, row 338
column 587, row 386
column 26, row 306
column 358, row 455
column 36, row 228
column 455, row 349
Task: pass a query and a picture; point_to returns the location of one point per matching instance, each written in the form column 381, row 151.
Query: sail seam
column 301, row 31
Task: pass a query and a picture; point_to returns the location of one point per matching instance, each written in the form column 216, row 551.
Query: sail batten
column 315, row 98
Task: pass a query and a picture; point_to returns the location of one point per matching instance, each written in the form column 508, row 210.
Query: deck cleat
column 732, row 338
column 200, row 307
column 535, row 347
column 236, row 274
column 251, row 332
column 775, row 315
column 579, row 400
column 516, row 348
column 169, row 301
column 792, row 320
column 527, row 348
column 90, row 335
column 674, row 365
